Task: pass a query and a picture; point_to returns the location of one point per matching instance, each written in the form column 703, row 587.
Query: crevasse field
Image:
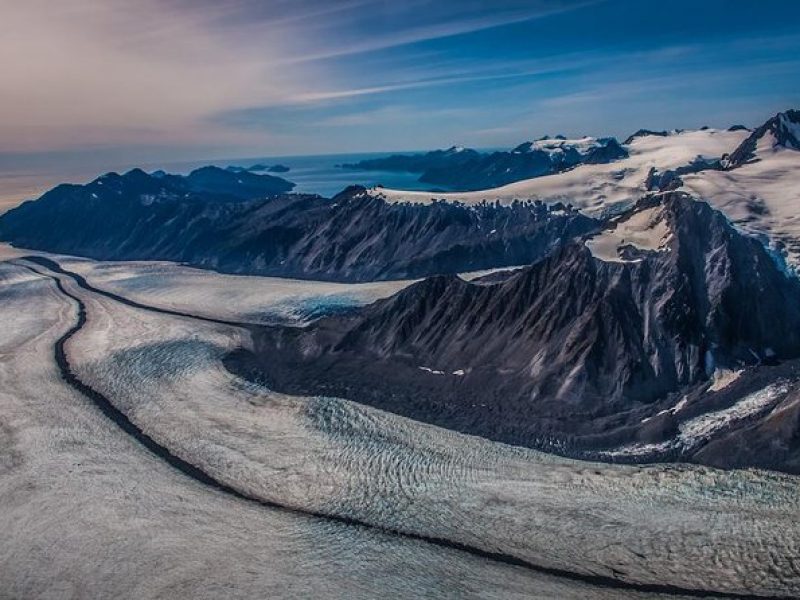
column 318, row 497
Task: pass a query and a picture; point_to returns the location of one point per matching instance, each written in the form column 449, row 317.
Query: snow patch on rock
column 645, row 230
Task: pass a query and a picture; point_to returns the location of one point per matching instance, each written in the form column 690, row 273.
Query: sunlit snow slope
column 594, row 187
column 761, row 195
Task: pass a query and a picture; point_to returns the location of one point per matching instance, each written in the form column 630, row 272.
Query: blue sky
column 174, row 79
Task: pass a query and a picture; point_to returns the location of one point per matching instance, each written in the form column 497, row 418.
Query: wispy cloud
column 245, row 76
column 382, row 39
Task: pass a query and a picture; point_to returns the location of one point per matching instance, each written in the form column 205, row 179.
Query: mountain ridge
column 573, row 349
column 465, row 169
column 352, row 237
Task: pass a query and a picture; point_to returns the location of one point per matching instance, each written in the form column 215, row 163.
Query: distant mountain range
column 460, row 168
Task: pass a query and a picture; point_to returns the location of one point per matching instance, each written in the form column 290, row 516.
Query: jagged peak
column 644, row 133
column 780, row 132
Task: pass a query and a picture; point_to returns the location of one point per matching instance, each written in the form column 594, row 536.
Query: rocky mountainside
column 600, row 189
column 644, row 133
column 465, row 169
column 577, row 350
column 757, row 185
column 781, row 131
column 353, row 237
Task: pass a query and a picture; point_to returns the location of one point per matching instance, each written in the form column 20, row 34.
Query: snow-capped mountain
column 461, row 168
column 561, row 148
column 604, row 187
column 588, row 347
column 759, row 185
column 781, row 132
column 352, row 237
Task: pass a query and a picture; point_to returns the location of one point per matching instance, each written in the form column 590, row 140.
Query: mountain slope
column 531, row 159
column 465, row 169
column 596, row 188
column 574, row 350
column 353, row 237
column 759, row 188
column 780, row 132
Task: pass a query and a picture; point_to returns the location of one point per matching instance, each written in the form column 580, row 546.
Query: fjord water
column 313, row 174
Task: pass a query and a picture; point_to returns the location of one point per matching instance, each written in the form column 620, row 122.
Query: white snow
column 761, row 197
column 723, row 378
column 235, row 297
column 680, row 405
column 87, row 512
column 429, row 370
column 703, row 427
column 554, row 146
column 645, row 230
column 473, row 275
column 594, row 188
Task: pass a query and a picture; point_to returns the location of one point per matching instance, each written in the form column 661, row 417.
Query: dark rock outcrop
column 354, row 237
column 571, row 352
column 644, row 133
column 784, row 130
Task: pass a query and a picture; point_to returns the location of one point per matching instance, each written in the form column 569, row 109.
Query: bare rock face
column 564, row 350
column 352, row 237
column 781, row 131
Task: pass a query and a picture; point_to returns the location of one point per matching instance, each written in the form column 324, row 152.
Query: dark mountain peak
column 137, row 176
column 780, row 132
column 523, row 147
column 457, row 150
column 356, row 236
column 609, row 150
column 242, row 185
column 427, row 291
column 127, row 195
column 209, row 170
column 738, row 128
column 644, row 133
column 574, row 333
column 351, row 192
column 109, row 176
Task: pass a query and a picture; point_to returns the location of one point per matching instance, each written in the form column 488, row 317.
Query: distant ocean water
column 312, row 174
